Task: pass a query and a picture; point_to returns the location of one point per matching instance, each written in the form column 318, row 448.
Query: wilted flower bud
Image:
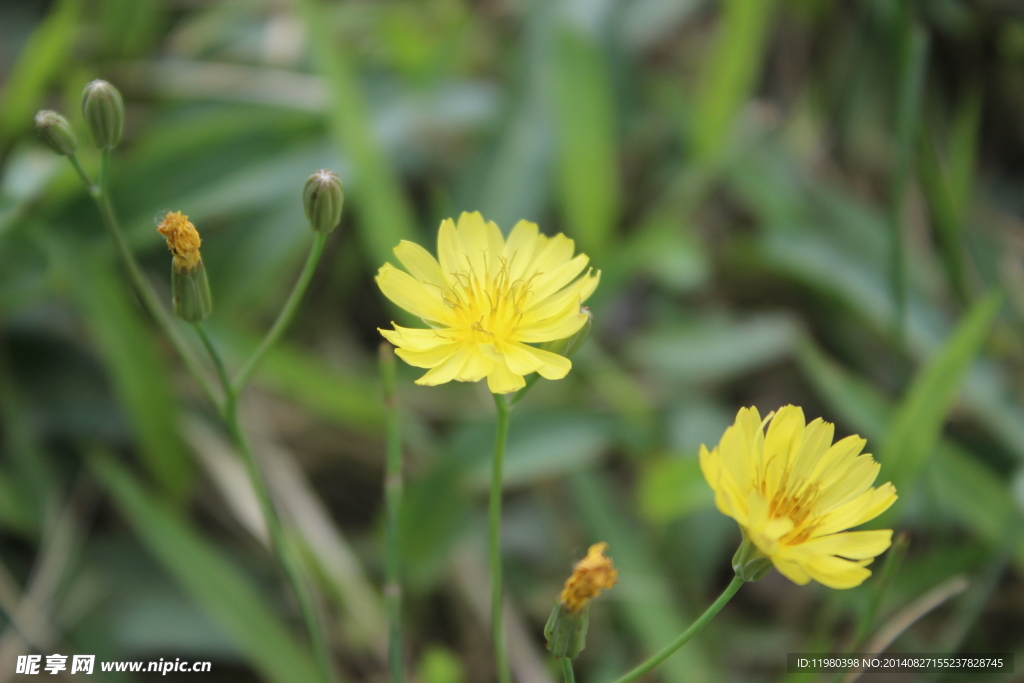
column 103, row 109
column 56, row 132
column 189, row 286
column 566, row 630
column 322, row 198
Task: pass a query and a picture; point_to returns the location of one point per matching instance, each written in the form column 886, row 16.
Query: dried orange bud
column 590, row 576
column 182, row 239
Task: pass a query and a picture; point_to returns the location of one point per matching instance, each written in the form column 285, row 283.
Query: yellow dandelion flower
column 591, row 575
column 485, row 300
column 794, row 494
column 182, row 239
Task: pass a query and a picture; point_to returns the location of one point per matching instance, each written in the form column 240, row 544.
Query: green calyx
column 103, row 110
column 56, row 132
column 191, row 293
column 566, row 632
column 749, row 563
column 322, row 199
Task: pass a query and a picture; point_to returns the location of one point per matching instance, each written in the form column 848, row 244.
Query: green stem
column 101, row 196
column 393, row 504
column 686, row 635
column 570, row 677
column 286, row 314
column 218, row 362
column 500, row 438
column 284, row 550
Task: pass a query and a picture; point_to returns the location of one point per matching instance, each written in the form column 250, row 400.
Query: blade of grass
column 214, row 582
column 913, row 50
column 587, row 146
column 377, row 193
column 917, row 423
column 43, row 56
column 731, row 73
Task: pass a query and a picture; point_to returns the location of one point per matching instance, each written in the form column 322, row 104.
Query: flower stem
column 285, row 551
column 286, row 314
column 500, row 438
column 101, row 195
column 570, row 677
column 393, row 500
column 686, row 635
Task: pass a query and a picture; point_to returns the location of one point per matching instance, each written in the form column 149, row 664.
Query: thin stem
column 218, row 363
column 686, row 635
column 500, row 438
column 393, row 501
column 101, row 196
column 570, row 677
column 284, row 550
column 93, row 189
column 286, row 314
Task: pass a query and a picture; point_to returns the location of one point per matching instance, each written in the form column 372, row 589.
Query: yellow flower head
column 182, row 239
column 486, row 301
column 590, row 576
column 795, row 493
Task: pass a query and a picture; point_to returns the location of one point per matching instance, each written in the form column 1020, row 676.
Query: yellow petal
column 446, row 371
column 520, row 248
column 555, row 253
column 548, row 365
column 835, row 572
column 417, row 339
column 550, row 282
column 504, row 381
column 406, row 292
column 420, row 264
column 449, row 249
column 477, row 367
column 853, row 513
column 429, row 358
column 853, row 545
column 551, row 329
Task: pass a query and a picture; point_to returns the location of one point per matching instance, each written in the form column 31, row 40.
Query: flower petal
column 406, row 292
column 420, row 264
column 428, row 358
column 853, row 545
column 504, row 381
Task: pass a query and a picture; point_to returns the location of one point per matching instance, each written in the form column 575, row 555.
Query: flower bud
column 570, row 345
column 566, row 630
column 749, row 563
column 322, row 198
column 103, row 109
column 56, row 132
column 190, row 287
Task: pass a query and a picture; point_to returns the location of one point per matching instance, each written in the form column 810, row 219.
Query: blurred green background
column 792, row 201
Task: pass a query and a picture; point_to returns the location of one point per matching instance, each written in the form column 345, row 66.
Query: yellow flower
column 486, row 301
column 794, row 493
column 182, row 239
column 590, row 576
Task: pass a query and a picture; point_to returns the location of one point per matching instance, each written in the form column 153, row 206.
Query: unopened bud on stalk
column 566, row 630
column 56, row 132
column 103, row 109
column 189, row 286
column 322, row 198
column 570, row 345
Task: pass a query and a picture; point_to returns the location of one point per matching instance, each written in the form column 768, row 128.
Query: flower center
column 488, row 307
column 793, row 498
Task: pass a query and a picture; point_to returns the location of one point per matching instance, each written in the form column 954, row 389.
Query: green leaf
column 670, row 488
column 139, row 374
column 587, row 144
column 732, row 71
column 44, row 55
column 917, row 423
column 216, row 585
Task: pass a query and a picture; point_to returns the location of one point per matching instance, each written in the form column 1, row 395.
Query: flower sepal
column 749, row 563
column 190, row 289
column 566, row 631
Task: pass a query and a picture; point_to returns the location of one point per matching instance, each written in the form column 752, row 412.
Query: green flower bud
column 56, row 132
column 322, row 198
column 566, row 631
column 191, row 292
column 570, row 345
column 749, row 563
column 103, row 109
